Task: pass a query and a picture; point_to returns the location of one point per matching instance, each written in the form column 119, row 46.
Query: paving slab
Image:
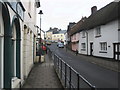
column 43, row 75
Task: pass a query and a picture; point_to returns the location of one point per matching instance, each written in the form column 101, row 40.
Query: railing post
column 61, row 69
column 93, row 88
column 58, row 64
column 54, row 60
column 70, row 78
column 78, row 82
column 65, row 73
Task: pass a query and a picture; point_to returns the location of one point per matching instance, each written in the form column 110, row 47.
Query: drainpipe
column 87, row 41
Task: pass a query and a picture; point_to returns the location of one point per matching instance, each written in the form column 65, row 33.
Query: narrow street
column 96, row 75
column 60, row 44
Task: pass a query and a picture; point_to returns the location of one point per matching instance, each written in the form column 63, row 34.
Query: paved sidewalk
column 103, row 62
column 43, row 76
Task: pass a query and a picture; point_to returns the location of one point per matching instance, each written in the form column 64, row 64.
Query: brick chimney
column 93, row 9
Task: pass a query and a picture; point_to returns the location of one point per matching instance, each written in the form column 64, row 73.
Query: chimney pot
column 93, row 9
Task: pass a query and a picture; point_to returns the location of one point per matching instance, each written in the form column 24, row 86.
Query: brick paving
column 43, row 76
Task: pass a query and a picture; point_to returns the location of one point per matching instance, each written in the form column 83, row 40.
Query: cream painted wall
column 31, row 9
column 49, row 36
column 28, row 36
column 56, row 37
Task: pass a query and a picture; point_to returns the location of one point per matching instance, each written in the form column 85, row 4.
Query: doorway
column 91, row 49
column 116, row 51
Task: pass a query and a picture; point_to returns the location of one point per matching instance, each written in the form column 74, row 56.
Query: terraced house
column 100, row 32
column 75, row 35
column 17, row 41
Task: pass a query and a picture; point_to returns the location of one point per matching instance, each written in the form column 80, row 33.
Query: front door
column 116, row 51
column 91, row 49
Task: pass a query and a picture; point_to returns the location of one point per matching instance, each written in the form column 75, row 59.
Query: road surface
column 96, row 75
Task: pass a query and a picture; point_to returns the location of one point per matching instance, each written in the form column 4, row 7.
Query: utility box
column 37, row 59
column 42, row 58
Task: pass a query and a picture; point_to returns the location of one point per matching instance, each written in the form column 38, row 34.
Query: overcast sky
column 58, row 13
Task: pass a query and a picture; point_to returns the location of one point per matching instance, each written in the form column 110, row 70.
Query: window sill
column 102, row 51
column 83, row 49
column 97, row 36
column 83, row 37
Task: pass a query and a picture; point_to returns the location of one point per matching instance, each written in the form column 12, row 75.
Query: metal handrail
column 60, row 64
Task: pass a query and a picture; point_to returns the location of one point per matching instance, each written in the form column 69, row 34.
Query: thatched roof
column 105, row 15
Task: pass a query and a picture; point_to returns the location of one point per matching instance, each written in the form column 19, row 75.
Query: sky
column 58, row 13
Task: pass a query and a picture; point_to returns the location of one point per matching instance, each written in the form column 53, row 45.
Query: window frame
column 103, row 47
column 83, row 34
column 98, row 31
column 83, row 46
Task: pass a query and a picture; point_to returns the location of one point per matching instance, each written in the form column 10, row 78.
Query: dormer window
column 98, row 31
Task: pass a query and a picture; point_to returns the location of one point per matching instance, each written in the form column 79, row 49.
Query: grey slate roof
column 60, row 32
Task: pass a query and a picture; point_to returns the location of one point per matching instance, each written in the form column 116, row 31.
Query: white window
column 98, row 31
column 83, row 46
column 83, row 34
column 103, row 46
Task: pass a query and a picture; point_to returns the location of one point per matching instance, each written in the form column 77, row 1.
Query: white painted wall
column 90, row 39
column 82, row 40
column 109, row 34
column 119, row 30
column 118, row 36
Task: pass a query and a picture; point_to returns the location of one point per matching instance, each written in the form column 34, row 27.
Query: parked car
column 60, row 45
column 48, row 42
